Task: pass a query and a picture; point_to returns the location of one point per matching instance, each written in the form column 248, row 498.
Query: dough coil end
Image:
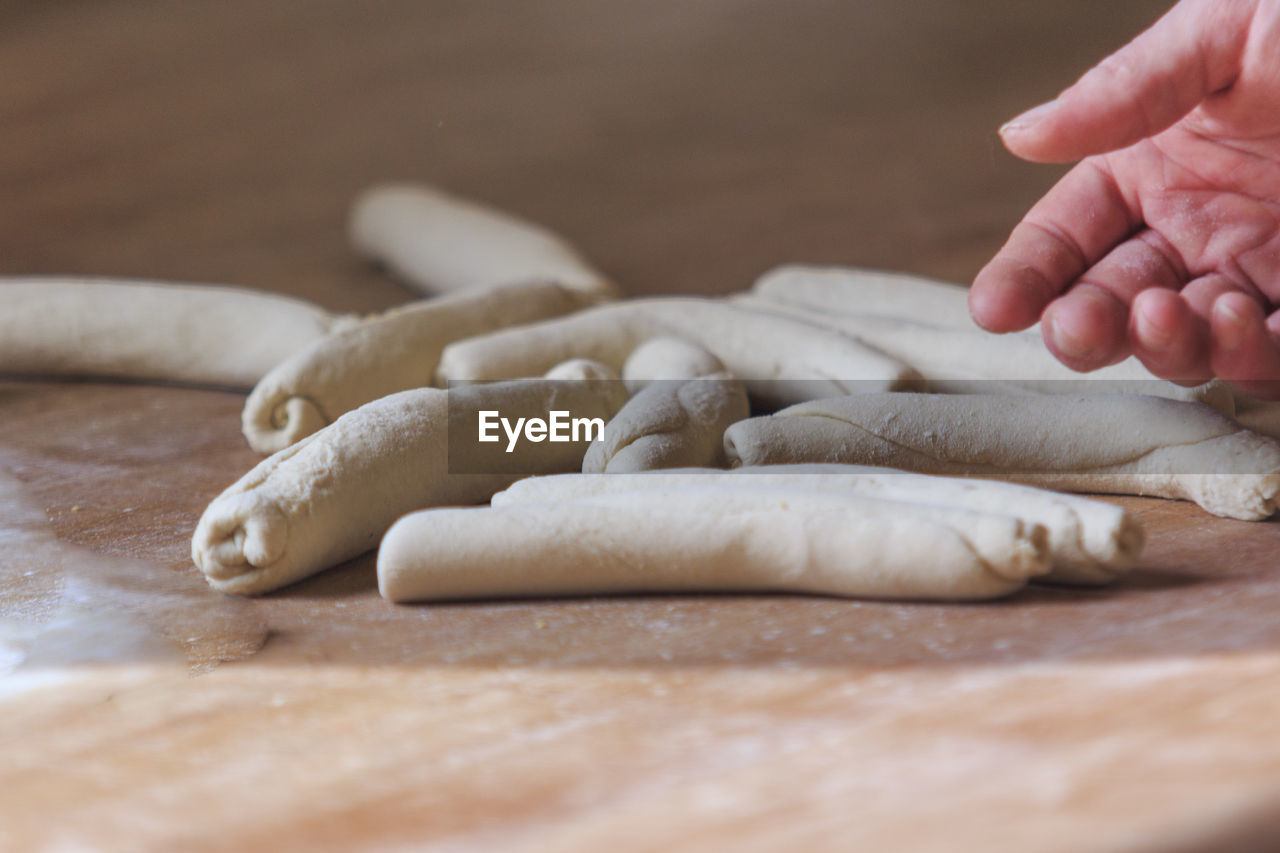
column 1129, row 541
column 274, row 424
column 1030, row 556
column 237, row 537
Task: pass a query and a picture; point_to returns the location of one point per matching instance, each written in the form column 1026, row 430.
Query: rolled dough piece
column 675, row 419
column 758, row 347
column 438, row 242
column 960, row 359
column 584, row 369
column 1111, row 443
column 1260, row 416
column 332, row 495
column 670, row 424
column 381, row 355
column 151, row 331
column 849, row 290
column 668, row 358
column 1090, row 542
column 711, row 538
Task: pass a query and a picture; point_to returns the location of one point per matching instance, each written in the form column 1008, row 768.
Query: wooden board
column 686, row 147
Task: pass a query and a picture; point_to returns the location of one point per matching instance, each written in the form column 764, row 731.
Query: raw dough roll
column 670, row 424
column 960, row 359
column 332, row 495
column 438, row 242
column 668, row 358
column 583, row 369
column 848, row 290
column 1260, row 416
column 1090, row 542
column 391, row 352
column 709, row 538
column 1112, row 443
column 120, row 329
column 677, row 416
column 758, row 347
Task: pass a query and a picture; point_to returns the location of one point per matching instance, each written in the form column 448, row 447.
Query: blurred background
column 685, row 146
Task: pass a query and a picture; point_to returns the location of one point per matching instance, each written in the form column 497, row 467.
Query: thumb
column 1138, row 91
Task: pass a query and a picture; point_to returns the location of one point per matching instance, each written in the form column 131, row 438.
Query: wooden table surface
column 686, row 147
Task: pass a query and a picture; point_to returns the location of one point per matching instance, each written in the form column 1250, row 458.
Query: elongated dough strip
column 670, row 424
column 1090, row 542
column 668, row 358
column 1114, row 443
column 584, row 369
column 849, row 290
column 332, row 495
column 1260, row 416
column 710, row 538
column 676, row 417
column 438, row 242
column 758, row 347
column 391, row 352
column 957, row 359
column 151, row 331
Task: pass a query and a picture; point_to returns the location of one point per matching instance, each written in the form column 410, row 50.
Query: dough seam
column 994, row 468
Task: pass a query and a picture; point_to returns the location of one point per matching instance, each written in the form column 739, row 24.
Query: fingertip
column 1030, row 118
column 1273, row 324
column 1007, row 297
column 1156, row 319
column 986, row 307
column 1168, row 338
column 1235, row 319
column 1025, row 135
column 1085, row 329
column 1025, row 145
column 1245, row 352
column 1152, row 329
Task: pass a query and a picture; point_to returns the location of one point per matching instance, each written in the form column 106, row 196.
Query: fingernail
column 1151, row 335
column 1230, row 326
column 1067, row 343
column 1030, row 117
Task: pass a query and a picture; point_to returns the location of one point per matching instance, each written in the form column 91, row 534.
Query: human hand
column 1164, row 241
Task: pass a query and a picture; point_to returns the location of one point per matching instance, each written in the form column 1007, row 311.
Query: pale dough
column 758, row 347
column 676, row 417
column 714, row 538
column 438, row 242
column 848, row 290
column 1090, row 542
column 1112, row 443
column 668, row 358
column 332, row 495
column 140, row 330
column 1260, row 416
column 380, row 355
column 585, row 369
column 958, row 359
